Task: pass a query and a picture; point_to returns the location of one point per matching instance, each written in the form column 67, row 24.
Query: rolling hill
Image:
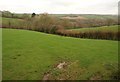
column 28, row 55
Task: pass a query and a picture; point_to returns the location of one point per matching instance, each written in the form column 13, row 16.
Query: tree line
column 54, row 25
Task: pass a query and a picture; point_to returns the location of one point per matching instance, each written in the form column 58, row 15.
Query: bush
column 108, row 35
column 50, row 24
column 44, row 23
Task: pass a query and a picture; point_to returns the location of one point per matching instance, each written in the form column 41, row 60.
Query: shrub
column 108, row 35
column 44, row 23
column 50, row 24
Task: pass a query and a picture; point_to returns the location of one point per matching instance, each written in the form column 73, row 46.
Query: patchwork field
column 30, row 55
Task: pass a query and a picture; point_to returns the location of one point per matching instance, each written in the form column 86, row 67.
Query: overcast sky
column 61, row 6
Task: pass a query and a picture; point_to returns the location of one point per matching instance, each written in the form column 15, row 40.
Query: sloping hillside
column 30, row 55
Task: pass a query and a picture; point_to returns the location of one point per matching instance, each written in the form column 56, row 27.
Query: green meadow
column 101, row 28
column 28, row 55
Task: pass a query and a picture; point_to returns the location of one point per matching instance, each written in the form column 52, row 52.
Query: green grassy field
column 0, row 54
column 11, row 22
column 102, row 28
column 27, row 55
column 5, row 21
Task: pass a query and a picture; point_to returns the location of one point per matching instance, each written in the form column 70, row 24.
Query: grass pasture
column 8, row 22
column 113, row 28
column 27, row 55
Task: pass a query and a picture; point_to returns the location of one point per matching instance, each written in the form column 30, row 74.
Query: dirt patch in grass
column 46, row 76
column 64, row 71
column 96, row 76
column 60, row 65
